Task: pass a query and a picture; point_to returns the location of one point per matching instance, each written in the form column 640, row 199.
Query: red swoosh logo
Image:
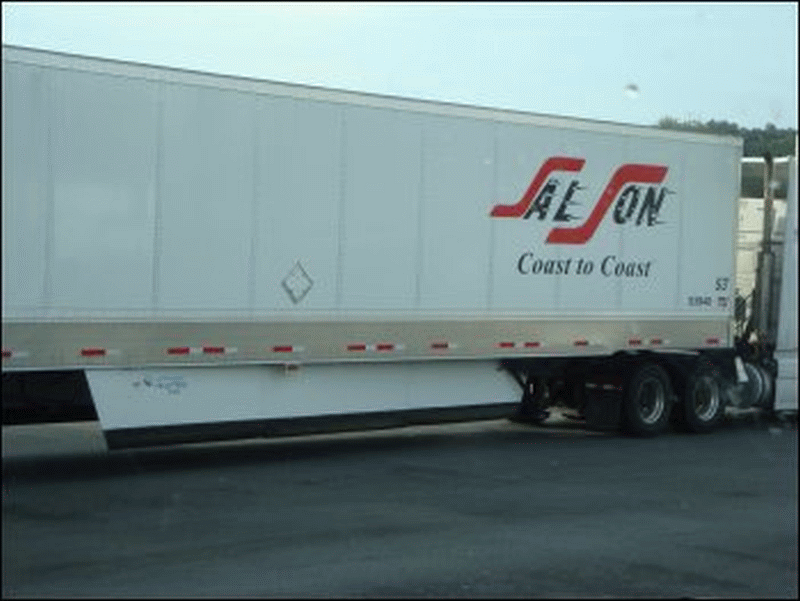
column 646, row 174
column 550, row 165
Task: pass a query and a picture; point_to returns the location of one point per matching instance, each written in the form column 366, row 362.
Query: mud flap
column 603, row 409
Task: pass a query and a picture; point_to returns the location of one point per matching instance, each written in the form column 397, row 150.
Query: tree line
column 757, row 141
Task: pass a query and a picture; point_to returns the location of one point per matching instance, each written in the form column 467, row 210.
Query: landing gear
column 531, row 408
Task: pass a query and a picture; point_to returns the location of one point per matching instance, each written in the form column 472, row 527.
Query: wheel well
column 617, row 369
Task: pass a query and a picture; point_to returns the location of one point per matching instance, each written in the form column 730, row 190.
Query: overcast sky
column 626, row 62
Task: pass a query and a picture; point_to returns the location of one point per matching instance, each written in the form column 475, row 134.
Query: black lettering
column 603, row 265
column 543, row 199
column 631, row 269
column 631, row 192
column 521, row 259
column 527, row 264
column 651, row 206
column 561, row 214
column 584, row 267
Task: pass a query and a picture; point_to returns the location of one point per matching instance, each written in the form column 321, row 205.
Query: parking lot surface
column 489, row 509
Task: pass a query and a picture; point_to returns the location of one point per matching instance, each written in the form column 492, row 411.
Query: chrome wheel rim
column 706, row 398
column 650, row 400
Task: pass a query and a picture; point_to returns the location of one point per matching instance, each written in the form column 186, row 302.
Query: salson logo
column 635, row 188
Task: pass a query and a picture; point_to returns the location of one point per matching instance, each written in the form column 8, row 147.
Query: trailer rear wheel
column 647, row 401
column 702, row 407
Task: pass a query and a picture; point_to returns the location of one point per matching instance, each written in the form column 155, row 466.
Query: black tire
column 702, row 405
column 647, row 401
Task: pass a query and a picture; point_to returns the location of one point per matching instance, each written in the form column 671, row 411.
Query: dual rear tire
column 649, row 402
column 702, row 407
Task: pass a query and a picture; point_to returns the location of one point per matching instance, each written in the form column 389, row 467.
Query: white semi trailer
column 190, row 256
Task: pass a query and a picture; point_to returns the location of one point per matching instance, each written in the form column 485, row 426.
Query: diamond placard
column 297, row 283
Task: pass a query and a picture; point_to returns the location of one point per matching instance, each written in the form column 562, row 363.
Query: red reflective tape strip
column 635, row 341
column 282, row 349
column 712, row 340
column 656, row 341
column 6, row 354
column 178, row 350
column 440, row 345
column 532, row 345
column 646, row 174
column 384, row 347
column 356, row 347
column 581, row 343
column 93, row 352
column 214, row 350
column 550, row 165
column 505, row 345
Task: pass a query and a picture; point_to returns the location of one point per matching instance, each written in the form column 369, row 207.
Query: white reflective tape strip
column 7, row 354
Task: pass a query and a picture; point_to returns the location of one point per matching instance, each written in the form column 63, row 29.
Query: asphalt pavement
column 488, row 509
